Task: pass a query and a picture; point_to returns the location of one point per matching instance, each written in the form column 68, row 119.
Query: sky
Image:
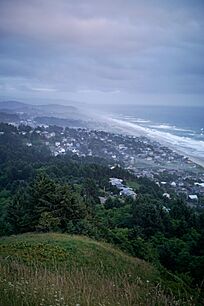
column 102, row 52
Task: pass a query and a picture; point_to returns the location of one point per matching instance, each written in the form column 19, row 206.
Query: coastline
column 196, row 161
column 124, row 127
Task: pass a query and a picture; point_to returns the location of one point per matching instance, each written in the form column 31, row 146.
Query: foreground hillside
column 59, row 269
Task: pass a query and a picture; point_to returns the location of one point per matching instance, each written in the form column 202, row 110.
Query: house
column 29, row 144
column 61, row 151
column 173, row 184
column 112, row 167
column 116, row 182
column 193, row 197
column 128, row 192
column 166, row 209
column 124, row 191
column 199, row 184
column 102, row 200
column 166, row 195
column 163, row 183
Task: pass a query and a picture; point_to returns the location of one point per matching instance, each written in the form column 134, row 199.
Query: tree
column 48, row 222
column 148, row 217
column 90, row 191
column 54, row 205
column 18, row 214
column 69, row 206
column 174, row 254
column 42, row 194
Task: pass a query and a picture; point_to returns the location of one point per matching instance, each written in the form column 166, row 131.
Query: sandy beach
column 166, row 139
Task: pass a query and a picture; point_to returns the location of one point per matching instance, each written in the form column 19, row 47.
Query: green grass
column 59, row 269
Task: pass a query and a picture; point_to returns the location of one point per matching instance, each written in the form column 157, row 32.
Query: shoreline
column 196, row 161
column 124, row 127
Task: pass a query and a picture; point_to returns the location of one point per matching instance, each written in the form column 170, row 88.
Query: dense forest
column 40, row 192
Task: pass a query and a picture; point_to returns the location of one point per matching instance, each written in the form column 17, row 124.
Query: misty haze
column 101, row 152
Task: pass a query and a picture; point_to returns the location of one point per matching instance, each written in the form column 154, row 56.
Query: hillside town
column 176, row 174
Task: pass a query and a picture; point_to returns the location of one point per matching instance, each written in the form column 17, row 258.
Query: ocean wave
column 162, row 126
column 186, row 145
column 130, row 118
column 138, row 120
column 169, row 127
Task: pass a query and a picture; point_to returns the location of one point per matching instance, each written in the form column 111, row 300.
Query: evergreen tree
column 19, row 214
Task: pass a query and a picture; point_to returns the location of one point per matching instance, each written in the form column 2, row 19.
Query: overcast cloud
column 102, row 51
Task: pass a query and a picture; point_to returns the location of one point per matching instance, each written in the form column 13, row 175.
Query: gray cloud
column 85, row 49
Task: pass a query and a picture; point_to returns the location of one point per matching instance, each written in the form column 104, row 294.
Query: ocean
column 181, row 128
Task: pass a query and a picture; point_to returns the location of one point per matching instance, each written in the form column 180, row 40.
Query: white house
column 166, row 195
column 193, row 197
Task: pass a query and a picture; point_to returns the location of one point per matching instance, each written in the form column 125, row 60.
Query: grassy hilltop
column 59, row 269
